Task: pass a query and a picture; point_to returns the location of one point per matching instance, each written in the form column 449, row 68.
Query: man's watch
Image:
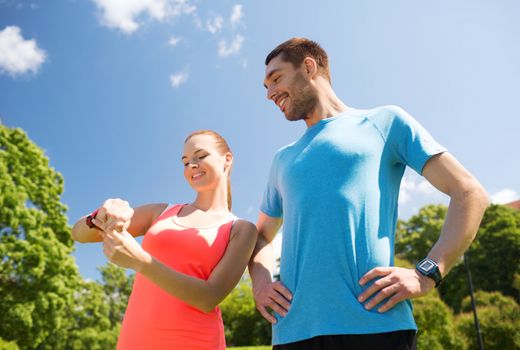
column 429, row 268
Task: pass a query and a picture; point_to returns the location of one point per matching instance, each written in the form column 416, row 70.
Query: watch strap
column 88, row 220
column 434, row 273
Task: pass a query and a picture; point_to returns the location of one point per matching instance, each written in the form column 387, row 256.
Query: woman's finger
column 119, row 226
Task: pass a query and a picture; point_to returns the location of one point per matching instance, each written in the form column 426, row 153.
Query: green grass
column 264, row 347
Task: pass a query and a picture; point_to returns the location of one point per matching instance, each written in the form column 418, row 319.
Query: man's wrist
column 425, row 280
column 430, row 269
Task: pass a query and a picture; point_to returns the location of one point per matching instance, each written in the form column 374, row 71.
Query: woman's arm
column 137, row 221
column 204, row 295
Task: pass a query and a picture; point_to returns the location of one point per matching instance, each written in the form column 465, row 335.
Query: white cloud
column 234, row 47
column 407, row 186
column 174, row 40
column 236, row 15
column 122, row 14
column 415, row 186
column 182, row 7
column 215, row 25
column 416, row 192
column 179, row 78
column 17, row 55
column 425, row 187
column 504, row 196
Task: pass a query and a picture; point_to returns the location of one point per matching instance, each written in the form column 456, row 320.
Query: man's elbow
column 475, row 193
column 481, row 195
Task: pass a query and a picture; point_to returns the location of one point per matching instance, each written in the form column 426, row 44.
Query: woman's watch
column 429, row 268
column 88, row 220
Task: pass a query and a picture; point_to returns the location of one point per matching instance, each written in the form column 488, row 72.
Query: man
column 336, row 191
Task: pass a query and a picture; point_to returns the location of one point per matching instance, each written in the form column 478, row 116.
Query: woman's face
column 204, row 166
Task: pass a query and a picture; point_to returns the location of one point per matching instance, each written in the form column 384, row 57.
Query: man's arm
column 468, row 201
column 267, row 294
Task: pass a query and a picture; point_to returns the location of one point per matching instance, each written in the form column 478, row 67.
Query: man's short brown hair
column 296, row 49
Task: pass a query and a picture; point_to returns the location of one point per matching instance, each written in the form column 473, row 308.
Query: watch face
column 427, row 265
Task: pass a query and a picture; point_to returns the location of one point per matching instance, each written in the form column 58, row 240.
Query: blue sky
column 110, row 88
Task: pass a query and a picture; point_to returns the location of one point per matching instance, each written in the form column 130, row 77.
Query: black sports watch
column 429, row 268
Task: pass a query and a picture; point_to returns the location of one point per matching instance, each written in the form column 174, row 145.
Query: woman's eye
column 204, row 156
column 185, row 164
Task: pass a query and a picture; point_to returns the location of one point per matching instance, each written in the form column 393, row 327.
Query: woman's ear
column 229, row 160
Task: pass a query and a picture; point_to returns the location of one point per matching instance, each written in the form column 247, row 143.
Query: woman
column 192, row 255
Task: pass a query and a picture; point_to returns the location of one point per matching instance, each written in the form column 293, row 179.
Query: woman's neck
column 212, row 201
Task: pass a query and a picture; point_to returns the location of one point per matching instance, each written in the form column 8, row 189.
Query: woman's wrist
column 145, row 261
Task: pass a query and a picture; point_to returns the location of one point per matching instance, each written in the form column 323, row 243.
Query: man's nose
column 271, row 94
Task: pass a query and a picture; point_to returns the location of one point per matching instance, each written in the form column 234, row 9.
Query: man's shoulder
column 284, row 150
column 386, row 112
column 385, row 117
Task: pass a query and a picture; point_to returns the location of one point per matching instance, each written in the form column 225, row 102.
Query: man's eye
column 185, row 164
column 276, row 79
column 204, row 156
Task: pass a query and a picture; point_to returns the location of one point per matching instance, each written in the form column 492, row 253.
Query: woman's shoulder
column 243, row 227
column 152, row 212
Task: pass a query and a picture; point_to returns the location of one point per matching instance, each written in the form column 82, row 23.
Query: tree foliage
column 37, row 274
column 435, row 321
column 243, row 323
column 45, row 304
column 499, row 317
column 493, row 256
column 415, row 237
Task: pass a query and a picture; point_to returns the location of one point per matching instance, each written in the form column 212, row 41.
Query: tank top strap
column 170, row 210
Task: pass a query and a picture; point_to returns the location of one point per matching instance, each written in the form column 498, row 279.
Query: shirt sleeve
column 412, row 143
column 272, row 200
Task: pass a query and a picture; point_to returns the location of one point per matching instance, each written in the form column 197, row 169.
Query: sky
column 110, row 88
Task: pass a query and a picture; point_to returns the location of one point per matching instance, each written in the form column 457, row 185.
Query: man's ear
column 310, row 66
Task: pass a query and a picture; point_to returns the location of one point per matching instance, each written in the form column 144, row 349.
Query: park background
column 109, row 89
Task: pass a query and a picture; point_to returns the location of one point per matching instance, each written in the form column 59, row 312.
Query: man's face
column 289, row 89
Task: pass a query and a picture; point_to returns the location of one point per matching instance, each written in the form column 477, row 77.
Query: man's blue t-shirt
column 337, row 189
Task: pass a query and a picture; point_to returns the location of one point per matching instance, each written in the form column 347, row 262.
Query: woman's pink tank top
column 157, row 320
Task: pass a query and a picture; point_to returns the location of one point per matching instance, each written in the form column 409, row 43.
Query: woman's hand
column 114, row 214
column 122, row 249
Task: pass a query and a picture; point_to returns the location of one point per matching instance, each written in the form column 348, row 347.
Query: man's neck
column 329, row 105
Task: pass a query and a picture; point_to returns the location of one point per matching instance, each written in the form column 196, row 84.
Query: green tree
column 98, row 312
column 117, row 286
column 436, row 324
column 8, row 345
column 90, row 326
column 243, row 324
column 45, row 302
column 415, row 237
column 499, row 317
column 493, row 256
column 38, row 276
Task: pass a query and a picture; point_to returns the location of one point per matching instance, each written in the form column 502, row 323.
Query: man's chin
column 293, row 118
